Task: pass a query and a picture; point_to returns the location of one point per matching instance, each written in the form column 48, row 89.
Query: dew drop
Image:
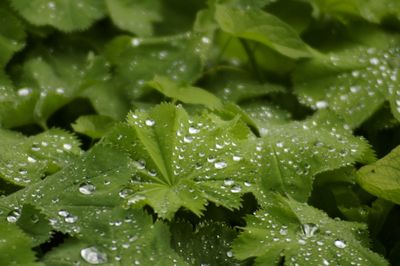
column 193, row 130
column 321, row 104
column 187, row 139
column 150, row 122
column 220, row 165
column 236, row 189
column 87, row 188
column 67, row 146
column 309, row 229
column 93, row 256
column 24, row 91
column 229, row 182
column 13, row 216
column 229, row 254
column 236, row 158
column 340, row 243
column 124, row 193
column 71, row 219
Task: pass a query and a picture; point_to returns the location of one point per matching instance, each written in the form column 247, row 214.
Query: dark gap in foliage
column 390, row 235
column 7, row 188
column 65, row 116
column 29, row 130
column 57, row 238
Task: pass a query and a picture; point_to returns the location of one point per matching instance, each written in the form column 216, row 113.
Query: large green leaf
column 65, row 15
column 84, row 200
column 295, row 152
column 353, row 82
column 27, row 160
column 292, row 233
column 382, row 177
column 136, row 16
column 184, row 161
column 257, row 25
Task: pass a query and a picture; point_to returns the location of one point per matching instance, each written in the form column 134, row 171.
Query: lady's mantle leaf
column 298, row 234
column 84, row 200
column 135, row 16
column 185, row 162
column 353, row 82
column 65, row 15
column 382, row 178
column 15, row 246
column 26, row 160
column 94, row 126
column 295, row 152
column 257, row 25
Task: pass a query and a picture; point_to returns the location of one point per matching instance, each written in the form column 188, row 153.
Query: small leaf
column 257, row 25
column 293, row 232
column 94, row 126
column 382, row 178
column 65, row 15
column 185, row 94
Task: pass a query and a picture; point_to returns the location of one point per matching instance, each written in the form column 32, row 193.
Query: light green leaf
column 353, row 82
column 184, row 93
column 27, row 160
column 382, row 178
column 15, row 246
column 137, row 60
column 94, row 126
column 295, row 152
column 65, row 15
column 257, row 25
column 296, row 233
column 136, row 16
column 208, row 244
column 184, row 161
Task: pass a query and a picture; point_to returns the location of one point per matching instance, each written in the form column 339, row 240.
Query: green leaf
column 185, row 94
column 134, row 15
column 65, row 15
column 184, row 161
column 353, row 82
column 15, row 246
column 12, row 34
column 382, row 177
column 94, row 126
column 209, row 243
column 295, row 233
column 179, row 57
column 373, row 11
column 295, row 152
column 257, row 25
column 28, row 160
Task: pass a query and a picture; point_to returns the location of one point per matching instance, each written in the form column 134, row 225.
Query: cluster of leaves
column 220, row 132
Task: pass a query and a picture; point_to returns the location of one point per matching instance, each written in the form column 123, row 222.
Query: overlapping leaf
column 289, row 232
column 185, row 162
column 26, row 160
column 353, row 82
column 295, row 152
column 15, row 246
